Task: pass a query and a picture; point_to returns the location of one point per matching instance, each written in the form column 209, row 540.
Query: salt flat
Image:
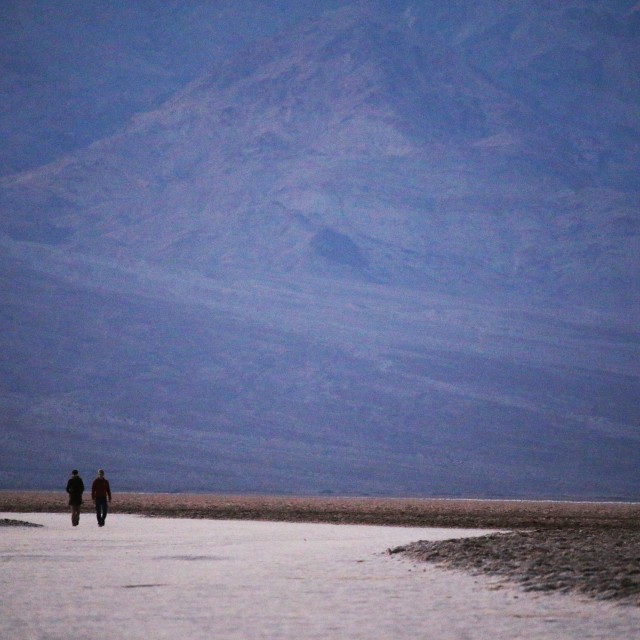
column 157, row 578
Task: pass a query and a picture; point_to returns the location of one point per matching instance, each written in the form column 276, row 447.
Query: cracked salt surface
column 157, row 578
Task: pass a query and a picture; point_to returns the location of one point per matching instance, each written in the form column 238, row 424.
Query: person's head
column 74, row 472
column 101, row 473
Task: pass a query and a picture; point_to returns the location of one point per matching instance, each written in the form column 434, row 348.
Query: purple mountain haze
column 376, row 248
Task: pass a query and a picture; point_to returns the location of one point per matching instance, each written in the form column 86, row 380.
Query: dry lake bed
column 195, row 577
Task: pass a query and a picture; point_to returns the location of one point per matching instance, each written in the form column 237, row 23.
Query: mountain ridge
column 514, row 156
column 346, row 259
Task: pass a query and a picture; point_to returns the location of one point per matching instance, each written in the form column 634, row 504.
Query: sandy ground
column 157, row 578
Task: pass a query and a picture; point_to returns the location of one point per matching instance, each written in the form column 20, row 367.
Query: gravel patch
column 411, row 512
column 7, row 522
column 601, row 563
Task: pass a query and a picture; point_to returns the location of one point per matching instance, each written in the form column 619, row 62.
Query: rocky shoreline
column 600, row 563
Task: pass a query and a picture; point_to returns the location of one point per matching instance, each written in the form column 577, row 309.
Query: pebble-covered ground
column 9, row 522
column 411, row 512
column 601, row 563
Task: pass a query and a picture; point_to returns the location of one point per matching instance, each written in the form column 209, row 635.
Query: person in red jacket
column 100, row 491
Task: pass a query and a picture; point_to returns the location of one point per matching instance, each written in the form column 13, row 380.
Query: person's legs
column 75, row 514
column 101, row 510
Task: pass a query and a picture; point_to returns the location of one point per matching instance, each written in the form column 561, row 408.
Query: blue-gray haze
column 381, row 248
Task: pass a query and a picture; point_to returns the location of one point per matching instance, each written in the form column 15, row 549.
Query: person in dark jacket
column 100, row 491
column 75, row 489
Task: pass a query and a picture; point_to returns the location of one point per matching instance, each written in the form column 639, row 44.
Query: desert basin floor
column 157, row 578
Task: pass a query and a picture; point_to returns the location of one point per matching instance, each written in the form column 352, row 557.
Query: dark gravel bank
column 600, row 563
column 489, row 514
column 7, row 522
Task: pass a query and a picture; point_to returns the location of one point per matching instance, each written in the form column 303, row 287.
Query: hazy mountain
column 74, row 71
column 391, row 249
column 357, row 142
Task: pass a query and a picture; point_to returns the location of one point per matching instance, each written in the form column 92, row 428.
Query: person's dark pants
column 101, row 510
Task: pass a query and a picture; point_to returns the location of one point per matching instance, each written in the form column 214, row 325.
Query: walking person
column 100, row 492
column 75, row 489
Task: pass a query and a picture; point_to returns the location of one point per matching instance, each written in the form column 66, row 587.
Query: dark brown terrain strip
column 376, row 511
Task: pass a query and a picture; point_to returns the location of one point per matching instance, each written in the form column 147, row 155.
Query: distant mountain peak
column 387, row 131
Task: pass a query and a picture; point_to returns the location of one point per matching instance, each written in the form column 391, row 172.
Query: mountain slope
column 348, row 132
column 357, row 257
column 76, row 72
column 182, row 383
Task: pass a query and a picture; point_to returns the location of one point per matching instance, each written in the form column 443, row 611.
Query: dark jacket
column 75, row 488
column 100, row 489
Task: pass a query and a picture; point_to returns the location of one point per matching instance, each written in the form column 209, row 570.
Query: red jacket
column 100, row 489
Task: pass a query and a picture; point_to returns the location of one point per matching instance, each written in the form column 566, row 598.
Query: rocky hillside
column 357, row 145
column 389, row 250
